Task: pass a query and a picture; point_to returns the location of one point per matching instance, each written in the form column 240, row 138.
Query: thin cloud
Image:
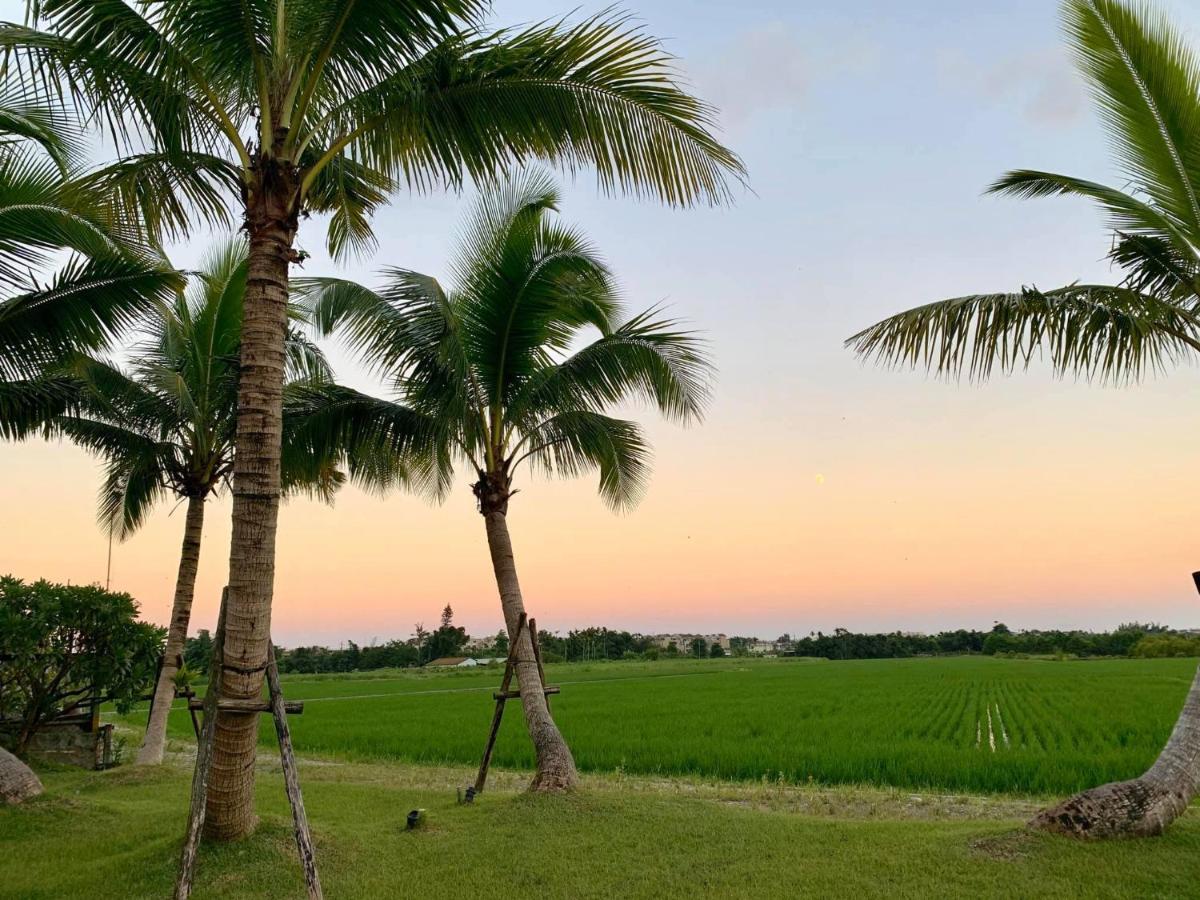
column 1041, row 82
column 769, row 67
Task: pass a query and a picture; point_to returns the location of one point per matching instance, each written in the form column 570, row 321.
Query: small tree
column 698, row 647
column 197, row 652
column 419, row 636
column 501, row 643
column 447, row 640
column 716, row 651
column 61, row 644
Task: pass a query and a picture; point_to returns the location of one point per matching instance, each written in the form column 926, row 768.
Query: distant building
column 683, row 642
column 762, row 648
column 475, row 644
column 451, row 662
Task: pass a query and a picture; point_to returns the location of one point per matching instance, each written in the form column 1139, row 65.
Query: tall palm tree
column 279, row 109
column 1146, row 81
column 165, row 429
column 492, row 364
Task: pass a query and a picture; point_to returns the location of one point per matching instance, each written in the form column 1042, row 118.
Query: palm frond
column 382, row 444
column 1158, row 267
column 86, row 304
column 27, row 404
column 646, row 358
column 1146, row 80
column 40, row 215
column 350, row 192
column 304, row 360
column 599, row 93
column 120, row 71
column 162, row 196
column 1092, row 331
column 132, row 485
column 1125, row 213
column 575, row 442
column 45, row 125
column 353, row 44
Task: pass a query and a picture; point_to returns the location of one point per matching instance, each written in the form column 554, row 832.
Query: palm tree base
column 1136, row 808
column 555, row 780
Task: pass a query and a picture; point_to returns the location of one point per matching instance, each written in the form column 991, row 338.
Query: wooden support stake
column 191, row 695
column 291, row 707
column 291, row 779
column 204, row 747
column 498, row 715
column 537, row 656
column 516, row 695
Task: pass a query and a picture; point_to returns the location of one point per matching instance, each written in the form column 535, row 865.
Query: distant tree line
column 598, row 643
column 1130, row 639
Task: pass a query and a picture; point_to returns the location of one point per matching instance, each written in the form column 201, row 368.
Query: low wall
column 71, row 744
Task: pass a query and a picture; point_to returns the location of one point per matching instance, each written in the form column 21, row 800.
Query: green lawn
column 960, row 723
column 117, row 834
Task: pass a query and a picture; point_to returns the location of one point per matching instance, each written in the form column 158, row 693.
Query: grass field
column 117, row 834
column 959, row 723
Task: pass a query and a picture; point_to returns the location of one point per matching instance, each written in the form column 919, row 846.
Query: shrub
column 1156, row 646
column 63, row 644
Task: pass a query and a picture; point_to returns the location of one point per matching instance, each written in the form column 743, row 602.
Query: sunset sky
column 819, row 492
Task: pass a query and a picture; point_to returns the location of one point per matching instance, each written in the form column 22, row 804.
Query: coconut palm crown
column 1146, row 82
column 501, row 368
column 494, row 363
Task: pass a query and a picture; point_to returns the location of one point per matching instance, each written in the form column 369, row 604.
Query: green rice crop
column 915, row 723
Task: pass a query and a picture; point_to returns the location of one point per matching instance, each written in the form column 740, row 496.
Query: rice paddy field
column 960, row 724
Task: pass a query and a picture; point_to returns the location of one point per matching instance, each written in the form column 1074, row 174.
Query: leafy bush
column 63, row 644
column 1157, row 646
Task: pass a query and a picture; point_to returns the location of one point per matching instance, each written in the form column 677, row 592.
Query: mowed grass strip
column 117, row 834
column 919, row 723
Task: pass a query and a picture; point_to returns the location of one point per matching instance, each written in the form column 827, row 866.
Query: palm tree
column 165, row 429
column 1147, row 83
column 280, row 109
column 491, row 365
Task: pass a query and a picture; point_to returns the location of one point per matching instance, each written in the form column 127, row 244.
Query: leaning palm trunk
column 555, row 765
column 151, row 752
column 1144, row 806
column 271, row 222
column 17, row 780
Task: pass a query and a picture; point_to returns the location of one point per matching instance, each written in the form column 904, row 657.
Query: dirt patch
column 1008, row 847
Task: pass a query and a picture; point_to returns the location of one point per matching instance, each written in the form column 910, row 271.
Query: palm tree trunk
column 17, row 780
column 1144, row 806
column 151, row 751
column 271, row 224
column 555, row 765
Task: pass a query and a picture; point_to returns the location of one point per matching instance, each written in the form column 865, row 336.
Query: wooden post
column 157, row 674
column 191, row 843
column 537, row 657
column 188, row 695
column 291, row 779
column 498, row 715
